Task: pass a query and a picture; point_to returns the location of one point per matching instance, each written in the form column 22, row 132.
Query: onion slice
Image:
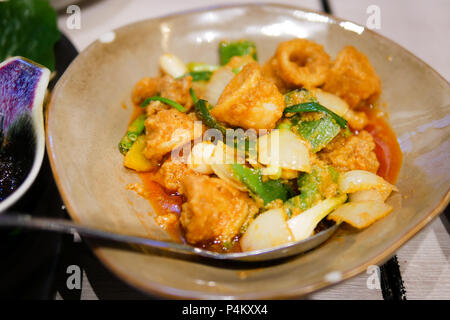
column 361, row 214
column 331, row 101
column 357, row 180
column 224, row 172
column 219, row 80
column 283, row 148
column 172, row 65
column 365, row 195
column 268, row 230
column 303, row 225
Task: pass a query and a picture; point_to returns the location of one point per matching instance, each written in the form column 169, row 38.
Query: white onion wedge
column 357, row 180
column 268, row 230
column 272, row 172
column 223, row 171
column 366, row 195
column 356, row 120
column 219, row 80
column 331, row 101
column 172, row 65
column 361, row 214
column 303, row 225
column 283, row 148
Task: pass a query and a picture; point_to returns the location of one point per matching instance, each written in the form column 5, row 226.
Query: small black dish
column 28, row 259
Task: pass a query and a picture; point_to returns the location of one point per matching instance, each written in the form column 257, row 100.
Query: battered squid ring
column 302, row 63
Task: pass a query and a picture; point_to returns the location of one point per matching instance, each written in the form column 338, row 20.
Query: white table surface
column 420, row 26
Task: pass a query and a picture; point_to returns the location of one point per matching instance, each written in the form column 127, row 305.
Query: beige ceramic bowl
column 86, row 119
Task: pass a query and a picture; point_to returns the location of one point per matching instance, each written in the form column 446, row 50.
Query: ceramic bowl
column 86, row 119
column 21, row 121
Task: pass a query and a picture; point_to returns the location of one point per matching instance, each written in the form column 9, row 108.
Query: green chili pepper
column 200, row 75
column 202, row 111
column 169, row 102
column 227, row 50
column 318, row 132
column 135, row 129
column 202, row 108
column 268, row 191
column 311, row 186
column 315, row 107
column 284, row 125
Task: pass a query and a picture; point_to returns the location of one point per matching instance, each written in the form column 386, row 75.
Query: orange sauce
column 387, row 147
column 167, row 206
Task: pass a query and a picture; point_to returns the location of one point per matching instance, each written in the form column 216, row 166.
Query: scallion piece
column 202, row 111
column 135, row 129
column 201, row 67
column 193, row 95
column 315, row 107
column 200, row 75
column 169, row 102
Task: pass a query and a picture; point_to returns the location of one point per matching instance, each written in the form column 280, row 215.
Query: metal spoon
column 64, row 226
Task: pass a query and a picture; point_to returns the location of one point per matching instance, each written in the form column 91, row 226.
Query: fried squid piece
column 356, row 152
column 171, row 174
column 168, row 129
column 177, row 90
column 214, row 210
column 270, row 71
column 302, row 63
column 167, row 87
column 238, row 62
column 356, row 120
column 146, row 87
column 353, row 78
column 250, row 100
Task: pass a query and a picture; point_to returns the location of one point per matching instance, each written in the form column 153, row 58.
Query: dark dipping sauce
column 16, row 159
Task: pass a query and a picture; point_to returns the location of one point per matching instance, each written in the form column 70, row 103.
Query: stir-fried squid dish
column 240, row 156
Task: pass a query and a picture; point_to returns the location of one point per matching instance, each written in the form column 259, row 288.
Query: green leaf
column 28, row 28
